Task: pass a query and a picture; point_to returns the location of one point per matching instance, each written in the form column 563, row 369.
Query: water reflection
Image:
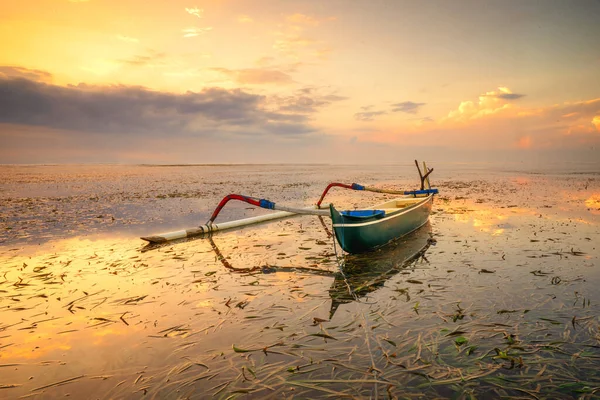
column 95, row 315
column 362, row 273
column 262, row 269
column 593, row 203
column 365, row 273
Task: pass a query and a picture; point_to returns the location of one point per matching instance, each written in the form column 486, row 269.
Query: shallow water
column 496, row 297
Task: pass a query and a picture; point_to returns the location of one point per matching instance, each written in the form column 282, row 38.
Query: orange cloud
column 495, row 121
column 570, row 115
column 547, row 126
column 196, row 12
column 489, row 103
column 26, row 73
column 596, row 122
column 580, row 129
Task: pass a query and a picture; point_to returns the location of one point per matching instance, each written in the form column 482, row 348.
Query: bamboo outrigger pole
column 210, row 226
column 206, row 228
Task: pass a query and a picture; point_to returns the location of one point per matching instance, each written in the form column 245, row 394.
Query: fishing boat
column 357, row 231
column 362, row 230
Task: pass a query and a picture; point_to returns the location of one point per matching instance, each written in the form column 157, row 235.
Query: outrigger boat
column 356, row 231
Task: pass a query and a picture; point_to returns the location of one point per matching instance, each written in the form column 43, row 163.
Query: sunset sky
column 336, row 81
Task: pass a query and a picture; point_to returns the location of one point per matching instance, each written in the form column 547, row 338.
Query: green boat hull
column 359, row 235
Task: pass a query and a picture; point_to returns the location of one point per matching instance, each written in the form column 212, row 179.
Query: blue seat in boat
column 363, row 214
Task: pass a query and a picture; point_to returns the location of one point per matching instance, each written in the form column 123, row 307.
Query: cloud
column 509, row 96
column 569, row 126
column 368, row 115
column 197, row 12
column 571, row 115
column 580, row 130
column 192, row 32
column 596, row 122
column 128, row 39
column 137, row 111
column 256, row 76
column 492, row 102
column 20, row 72
column 566, row 119
column 307, row 100
column 334, row 97
column 407, row 107
column 504, row 93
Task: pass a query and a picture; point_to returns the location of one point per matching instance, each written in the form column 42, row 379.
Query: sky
column 307, row 81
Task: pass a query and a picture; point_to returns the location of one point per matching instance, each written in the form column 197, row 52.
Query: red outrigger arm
column 251, row 200
column 354, row 186
column 263, row 203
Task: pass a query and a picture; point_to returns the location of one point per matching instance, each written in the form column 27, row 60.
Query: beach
column 495, row 297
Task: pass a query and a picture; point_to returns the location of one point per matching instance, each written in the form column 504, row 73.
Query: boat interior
column 396, row 205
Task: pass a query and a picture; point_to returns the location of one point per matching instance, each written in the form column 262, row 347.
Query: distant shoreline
column 585, row 164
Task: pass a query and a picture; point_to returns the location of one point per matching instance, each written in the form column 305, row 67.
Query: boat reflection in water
column 365, row 273
column 362, row 273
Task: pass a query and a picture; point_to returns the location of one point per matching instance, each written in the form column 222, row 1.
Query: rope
column 366, row 321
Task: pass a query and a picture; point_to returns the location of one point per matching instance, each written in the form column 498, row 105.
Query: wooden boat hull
column 362, row 234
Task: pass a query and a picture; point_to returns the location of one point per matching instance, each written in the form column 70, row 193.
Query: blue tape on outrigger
column 425, row 191
column 267, row 204
column 356, row 186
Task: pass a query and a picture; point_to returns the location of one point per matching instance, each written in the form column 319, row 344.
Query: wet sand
column 496, row 297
